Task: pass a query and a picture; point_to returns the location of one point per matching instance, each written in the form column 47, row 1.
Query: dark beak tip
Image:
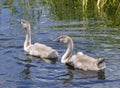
column 56, row 40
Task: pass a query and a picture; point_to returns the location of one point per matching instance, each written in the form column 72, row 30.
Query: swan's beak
column 18, row 20
column 57, row 40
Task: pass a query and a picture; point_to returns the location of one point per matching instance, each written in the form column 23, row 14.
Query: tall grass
column 108, row 10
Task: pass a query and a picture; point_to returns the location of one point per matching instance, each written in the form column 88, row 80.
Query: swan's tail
column 101, row 63
column 53, row 54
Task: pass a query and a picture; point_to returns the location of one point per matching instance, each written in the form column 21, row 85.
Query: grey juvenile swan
column 37, row 49
column 79, row 60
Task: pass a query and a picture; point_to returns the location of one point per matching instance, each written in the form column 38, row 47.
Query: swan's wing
column 85, row 58
column 84, row 62
column 87, row 62
column 41, row 50
column 42, row 47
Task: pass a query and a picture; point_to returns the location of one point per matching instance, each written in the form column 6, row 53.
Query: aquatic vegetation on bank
column 107, row 10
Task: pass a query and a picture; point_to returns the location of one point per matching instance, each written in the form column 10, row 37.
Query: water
column 91, row 35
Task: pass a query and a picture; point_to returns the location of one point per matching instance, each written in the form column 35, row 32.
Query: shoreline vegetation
column 106, row 10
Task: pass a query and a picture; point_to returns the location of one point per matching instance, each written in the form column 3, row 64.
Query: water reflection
column 26, row 72
column 45, row 60
column 101, row 75
column 28, row 63
column 87, row 75
column 70, row 77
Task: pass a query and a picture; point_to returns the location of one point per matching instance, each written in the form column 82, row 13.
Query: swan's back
column 85, row 58
column 85, row 62
column 42, row 51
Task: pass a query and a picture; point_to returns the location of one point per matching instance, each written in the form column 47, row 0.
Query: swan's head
column 25, row 23
column 64, row 39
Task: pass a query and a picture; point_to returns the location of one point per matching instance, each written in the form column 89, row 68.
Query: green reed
column 107, row 10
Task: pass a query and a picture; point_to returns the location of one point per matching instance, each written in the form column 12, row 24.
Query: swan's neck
column 28, row 38
column 68, row 52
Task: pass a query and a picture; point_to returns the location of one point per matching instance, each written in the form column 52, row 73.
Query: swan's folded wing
column 85, row 58
column 87, row 62
column 40, row 50
column 42, row 47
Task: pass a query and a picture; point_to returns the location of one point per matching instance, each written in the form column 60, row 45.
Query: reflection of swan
column 48, row 61
column 80, row 60
column 70, row 75
column 37, row 49
column 30, row 62
column 91, row 75
column 25, row 74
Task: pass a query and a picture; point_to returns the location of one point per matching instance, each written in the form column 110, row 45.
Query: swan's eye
column 62, row 37
column 23, row 21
